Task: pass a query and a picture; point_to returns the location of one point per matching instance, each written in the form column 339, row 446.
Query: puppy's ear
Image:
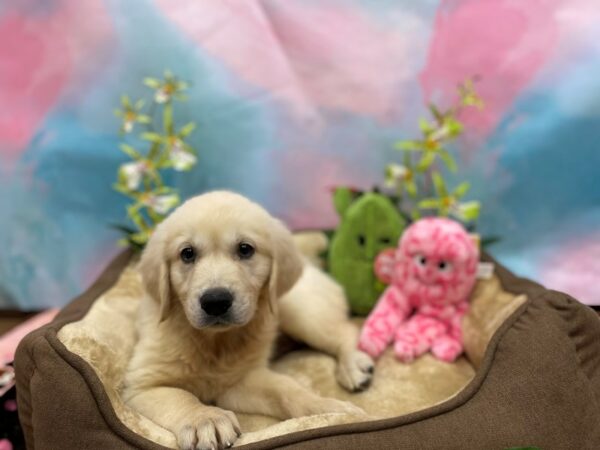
column 287, row 264
column 155, row 274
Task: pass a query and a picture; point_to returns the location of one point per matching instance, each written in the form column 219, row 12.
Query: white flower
column 395, row 173
column 133, row 173
column 162, row 95
column 181, row 159
column 128, row 126
column 162, row 203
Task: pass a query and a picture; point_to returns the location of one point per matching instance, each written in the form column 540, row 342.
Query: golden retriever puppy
column 216, row 273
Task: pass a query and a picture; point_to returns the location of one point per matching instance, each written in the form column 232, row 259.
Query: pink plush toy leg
column 450, row 345
column 416, row 336
column 446, row 348
column 379, row 328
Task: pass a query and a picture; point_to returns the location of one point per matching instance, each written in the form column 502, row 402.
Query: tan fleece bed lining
column 106, row 335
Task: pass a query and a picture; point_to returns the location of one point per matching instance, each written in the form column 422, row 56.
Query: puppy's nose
column 216, row 301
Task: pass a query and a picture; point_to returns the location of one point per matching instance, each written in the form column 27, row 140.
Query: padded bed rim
column 80, row 306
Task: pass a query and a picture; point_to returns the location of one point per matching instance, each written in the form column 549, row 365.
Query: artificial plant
column 160, row 145
column 414, row 188
column 418, row 183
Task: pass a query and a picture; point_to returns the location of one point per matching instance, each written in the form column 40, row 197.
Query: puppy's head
column 218, row 256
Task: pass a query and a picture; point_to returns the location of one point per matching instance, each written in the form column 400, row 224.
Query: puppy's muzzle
column 216, row 301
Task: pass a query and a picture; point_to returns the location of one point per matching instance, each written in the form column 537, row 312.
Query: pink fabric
column 10, row 340
column 431, row 275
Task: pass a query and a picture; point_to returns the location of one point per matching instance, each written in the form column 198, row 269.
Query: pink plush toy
column 431, row 273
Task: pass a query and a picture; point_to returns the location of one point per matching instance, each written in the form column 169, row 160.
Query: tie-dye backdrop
column 293, row 97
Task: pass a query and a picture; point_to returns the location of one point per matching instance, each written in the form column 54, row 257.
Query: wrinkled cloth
column 293, row 97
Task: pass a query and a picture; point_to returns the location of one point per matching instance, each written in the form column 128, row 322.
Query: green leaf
column 124, row 228
column 462, row 189
column 409, row 145
column 415, row 214
column 411, row 188
column 153, row 83
column 425, row 126
column 468, row 94
column 154, row 216
column 187, row 129
column 130, row 151
column 440, row 185
column 136, row 218
column 140, row 238
column 448, row 160
column 168, row 118
column 429, row 203
column 488, row 241
column 139, row 104
column 124, row 242
column 455, row 128
column 180, row 97
column 165, row 190
column 426, row 161
column 470, row 210
column 143, row 118
column 125, row 101
column 121, row 188
column 133, row 210
column 153, row 137
column 436, row 112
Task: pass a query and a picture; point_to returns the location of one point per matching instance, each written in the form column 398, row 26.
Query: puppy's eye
column 245, row 250
column 188, row 255
column 385, row 241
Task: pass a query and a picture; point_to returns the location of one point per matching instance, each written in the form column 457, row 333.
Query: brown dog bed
column 530, row 377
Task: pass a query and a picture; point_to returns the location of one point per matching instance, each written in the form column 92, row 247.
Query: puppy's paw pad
column 355, row 371
column 363, row 361
column 209, row 429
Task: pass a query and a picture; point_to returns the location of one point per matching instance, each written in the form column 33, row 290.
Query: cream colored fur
column 188, row 375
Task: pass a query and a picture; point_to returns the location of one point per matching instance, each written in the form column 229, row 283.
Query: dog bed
column 530, row 376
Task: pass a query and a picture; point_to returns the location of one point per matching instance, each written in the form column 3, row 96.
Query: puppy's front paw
column 354, row 371
column 208, row 428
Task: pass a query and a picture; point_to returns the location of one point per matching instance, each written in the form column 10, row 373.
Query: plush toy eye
column 444, row 266
column 385, row 241
column 361, row 239
column 245, row 250
column 420, row 260
column 188, row 255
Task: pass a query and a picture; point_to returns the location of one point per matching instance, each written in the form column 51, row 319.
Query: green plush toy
column 369, row 224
